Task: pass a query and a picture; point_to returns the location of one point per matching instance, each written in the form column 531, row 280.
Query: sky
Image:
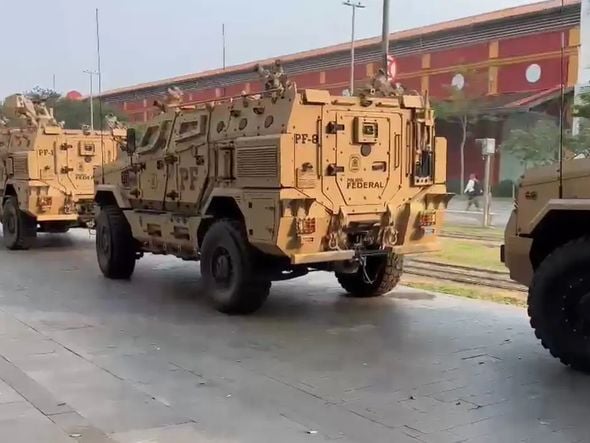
column 146, row 40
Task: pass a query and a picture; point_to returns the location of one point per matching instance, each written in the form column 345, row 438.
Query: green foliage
column 582, row 107
column 539, row 145
column 74, row 113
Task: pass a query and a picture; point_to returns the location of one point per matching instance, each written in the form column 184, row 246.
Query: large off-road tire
column 228, row 270
column 19, row 228
column 384, row 273
column 115, row 246
column 559, row 304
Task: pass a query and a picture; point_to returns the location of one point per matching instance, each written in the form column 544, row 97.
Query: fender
column 115, row 191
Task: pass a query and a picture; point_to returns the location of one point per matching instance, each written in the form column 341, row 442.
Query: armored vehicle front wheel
column 228, row 270
column 115, row 246
column 380, row 275
column 19, row 228
column 559, row 304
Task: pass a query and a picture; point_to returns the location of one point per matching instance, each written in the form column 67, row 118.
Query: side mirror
column 131, row 141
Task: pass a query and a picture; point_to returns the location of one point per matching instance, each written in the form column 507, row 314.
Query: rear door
column 367, row 152
column 82, row 155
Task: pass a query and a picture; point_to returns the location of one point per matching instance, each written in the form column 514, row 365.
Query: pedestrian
column 473, row 190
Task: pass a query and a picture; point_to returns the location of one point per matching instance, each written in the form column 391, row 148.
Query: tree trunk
column 462, row 151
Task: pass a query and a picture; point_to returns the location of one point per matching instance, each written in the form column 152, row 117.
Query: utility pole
column 53, row 82
column 223, row 42
column 354, row 7
column 90, row 74
column 488, row 150
column 583, row 80
column 385, row 37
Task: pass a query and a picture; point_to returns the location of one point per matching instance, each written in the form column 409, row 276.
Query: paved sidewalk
column 90, row 360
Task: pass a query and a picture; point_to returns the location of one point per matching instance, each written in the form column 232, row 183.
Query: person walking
column 473, row 190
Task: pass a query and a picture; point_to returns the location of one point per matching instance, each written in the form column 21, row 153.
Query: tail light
column 427, row 218
column 44, row 203
column 306, row 226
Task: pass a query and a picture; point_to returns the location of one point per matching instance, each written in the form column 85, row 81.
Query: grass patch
column 467, row 253
column 465, row 290
column 475, row 231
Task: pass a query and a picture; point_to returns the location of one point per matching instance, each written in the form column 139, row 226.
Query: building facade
column 525, row 56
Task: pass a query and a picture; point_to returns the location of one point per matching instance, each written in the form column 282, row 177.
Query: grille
column 257, row 162
column 21, row 166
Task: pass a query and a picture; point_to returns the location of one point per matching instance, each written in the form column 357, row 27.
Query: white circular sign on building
column 458, row 82
column 533, row 73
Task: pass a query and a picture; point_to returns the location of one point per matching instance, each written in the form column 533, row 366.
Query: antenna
column 561, row 107
column 99, row 94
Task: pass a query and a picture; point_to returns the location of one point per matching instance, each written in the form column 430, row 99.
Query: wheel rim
column 104, row 241
column 576, row 307
column 10, row 222
column 222, row 269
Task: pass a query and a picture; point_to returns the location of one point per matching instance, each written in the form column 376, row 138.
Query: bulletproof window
column 188, row 126
column 163, row 135
column 149, row 136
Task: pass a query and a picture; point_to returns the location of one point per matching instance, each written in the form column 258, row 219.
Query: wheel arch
column 110, row 195
column 218, row 207
column 556, row 228
column 9, row 191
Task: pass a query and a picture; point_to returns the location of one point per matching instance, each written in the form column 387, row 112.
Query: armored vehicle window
column 148, row 136
column 156, row 137
column 188, row 127
column 163, row 135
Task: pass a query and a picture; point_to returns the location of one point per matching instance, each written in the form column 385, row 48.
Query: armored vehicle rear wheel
column 380, row 276
column 559, row 304
column 228, row 271
column 115, row 246
column 19, row 228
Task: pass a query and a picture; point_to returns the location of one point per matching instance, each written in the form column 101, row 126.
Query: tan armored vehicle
column 547, row 248
column 268, row 187
column 46, row 172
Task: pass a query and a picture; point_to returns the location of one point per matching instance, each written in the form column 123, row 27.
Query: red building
column 522, row 56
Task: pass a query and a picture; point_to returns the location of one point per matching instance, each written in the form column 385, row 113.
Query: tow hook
column 363, row 263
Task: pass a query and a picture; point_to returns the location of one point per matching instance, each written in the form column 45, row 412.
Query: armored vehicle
column 46, row 171
column 267, row 187
column 547, row 248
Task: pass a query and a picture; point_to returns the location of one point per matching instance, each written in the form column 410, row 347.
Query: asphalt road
column 91, row 360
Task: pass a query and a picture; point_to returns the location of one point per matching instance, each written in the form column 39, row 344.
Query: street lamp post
column 90, row 74
column 354, row 7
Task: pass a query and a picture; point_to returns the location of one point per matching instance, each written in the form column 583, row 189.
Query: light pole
column 354, row 7
column 90, row 74
column 385, row 37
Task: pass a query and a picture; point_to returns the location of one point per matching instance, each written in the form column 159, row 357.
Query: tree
column 74, row 113
column 43, row 94
column 463, row 106
column 539, row 145
column 582, row 106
